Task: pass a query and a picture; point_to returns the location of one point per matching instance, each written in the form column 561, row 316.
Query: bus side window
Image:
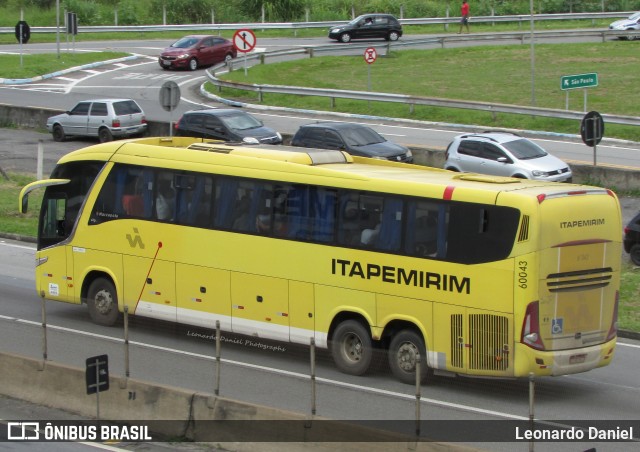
column 421, row 234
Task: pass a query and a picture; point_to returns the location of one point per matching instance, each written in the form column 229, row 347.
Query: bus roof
column 301, row 164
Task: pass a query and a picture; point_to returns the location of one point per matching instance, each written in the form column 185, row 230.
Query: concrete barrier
column 601, row 175
column 128, row 400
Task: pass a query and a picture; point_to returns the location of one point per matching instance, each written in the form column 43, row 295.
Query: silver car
column 105, row 119
column 630, row 24
column 504, row 154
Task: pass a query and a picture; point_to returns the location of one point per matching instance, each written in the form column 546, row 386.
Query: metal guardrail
column 520, row 18
column 410, row 100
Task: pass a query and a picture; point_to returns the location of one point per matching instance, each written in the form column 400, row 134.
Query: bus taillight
column 531, row 328
column 613, row 330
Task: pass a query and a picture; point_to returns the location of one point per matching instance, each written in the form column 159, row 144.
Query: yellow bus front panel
column 53, row 273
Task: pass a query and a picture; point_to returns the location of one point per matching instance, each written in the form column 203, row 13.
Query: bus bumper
column 563, row 362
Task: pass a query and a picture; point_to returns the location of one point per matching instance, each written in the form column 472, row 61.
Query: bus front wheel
column 351, row 348
column 102, row 301
column 403, row 352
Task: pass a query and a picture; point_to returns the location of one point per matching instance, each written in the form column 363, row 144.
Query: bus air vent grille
column 590, row 279
column 524, row 229
column 457, row 342
column 489, row 342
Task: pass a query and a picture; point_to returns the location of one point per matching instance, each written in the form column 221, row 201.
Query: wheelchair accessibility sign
column 556, row 326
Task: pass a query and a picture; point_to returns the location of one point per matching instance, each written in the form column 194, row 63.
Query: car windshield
column 185, row 43
column 524, row 149
column 361, row 136
column 240, row 121
column 635, row 16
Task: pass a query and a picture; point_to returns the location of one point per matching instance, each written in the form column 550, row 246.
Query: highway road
column 277, row 374
column 142, row 78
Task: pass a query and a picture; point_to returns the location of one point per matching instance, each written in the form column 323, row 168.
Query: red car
column 197, row 50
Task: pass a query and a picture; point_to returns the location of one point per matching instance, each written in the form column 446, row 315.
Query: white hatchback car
column 504, row 154
column 103, row 118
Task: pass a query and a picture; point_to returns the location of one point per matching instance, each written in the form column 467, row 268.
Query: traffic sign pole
column 370, row 56
column 244, row 40
column 568, row 82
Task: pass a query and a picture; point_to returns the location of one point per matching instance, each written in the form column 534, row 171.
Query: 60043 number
column 523, row 274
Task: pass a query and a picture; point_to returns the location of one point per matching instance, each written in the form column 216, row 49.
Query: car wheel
column 104, row 135
column 519, row 176
column 193, row 64
column 345, row 37
column 403, row 351
column 634, row 254
column 228, row 57
column 58, row 133
column 102, row 301
column 351, row 348
column 451, row 168
column 393, row 36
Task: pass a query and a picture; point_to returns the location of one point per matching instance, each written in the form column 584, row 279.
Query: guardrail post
column 216, row 391
column 126, row 341
column 44, row 331
column 531, row 405
column 411, row 108
column 262, row 58
column 418, row 394
column 333, row 102
column 310, row 52
column 260, row 95
column 313, row 376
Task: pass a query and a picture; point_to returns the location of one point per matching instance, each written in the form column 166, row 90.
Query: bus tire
column 351, row 348
column 403, row 349
column 102, row 301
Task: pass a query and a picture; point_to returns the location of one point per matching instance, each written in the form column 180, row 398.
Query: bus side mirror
column 25, row 204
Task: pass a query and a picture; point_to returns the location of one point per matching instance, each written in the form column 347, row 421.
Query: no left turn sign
column 370, row 55
column 244, row 40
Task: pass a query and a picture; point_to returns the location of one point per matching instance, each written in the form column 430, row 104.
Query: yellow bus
column 478, row 275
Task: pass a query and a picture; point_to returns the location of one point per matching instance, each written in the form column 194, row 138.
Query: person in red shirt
column 464, row 12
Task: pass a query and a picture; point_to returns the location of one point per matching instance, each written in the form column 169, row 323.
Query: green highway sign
column 578, row 81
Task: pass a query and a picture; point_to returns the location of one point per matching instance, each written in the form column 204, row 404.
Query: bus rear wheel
column 403, row 351
column 351, row 348
column 102, row 302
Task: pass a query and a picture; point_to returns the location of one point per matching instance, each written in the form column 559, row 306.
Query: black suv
column 356, row 139
column 226, row 124
column 368, row 26
column 632, row 239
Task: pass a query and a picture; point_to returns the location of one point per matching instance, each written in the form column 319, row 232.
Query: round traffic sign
column 592, row 128
column 244, row 40
column 370, row 55
column 23, row 32
column 169, row 95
